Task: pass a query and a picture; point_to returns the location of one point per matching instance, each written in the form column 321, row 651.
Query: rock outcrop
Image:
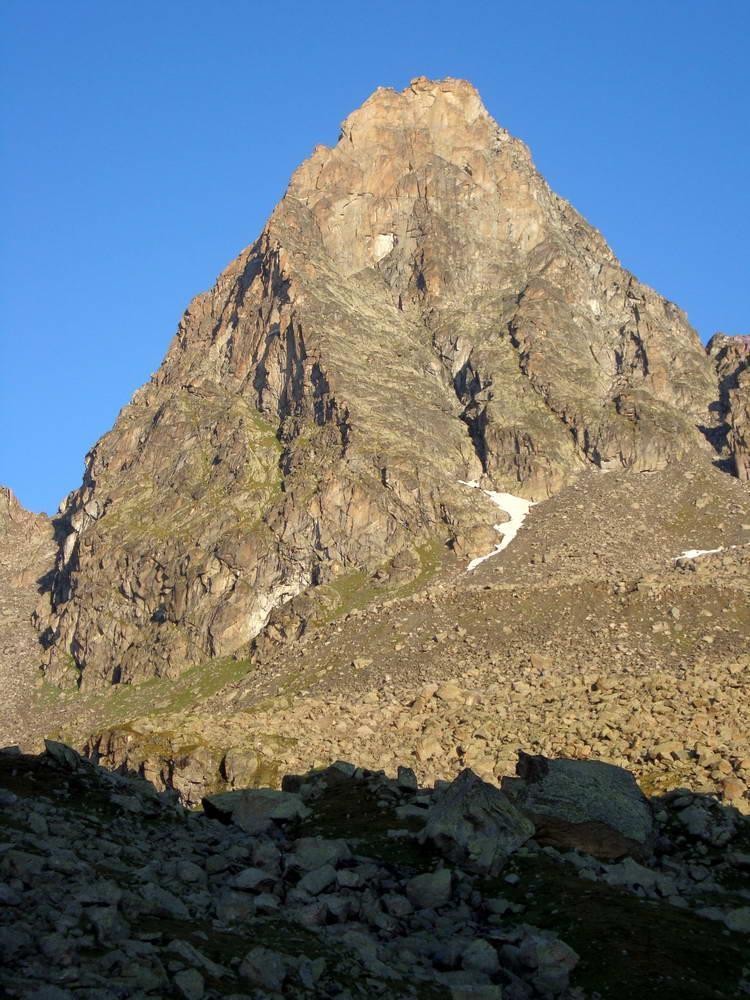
column 26, row 543
column 27, row 555
column 731, row 355
column 420, row 310
column 476, row 824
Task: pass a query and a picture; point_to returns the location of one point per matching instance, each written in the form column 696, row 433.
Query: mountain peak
column 420, row 313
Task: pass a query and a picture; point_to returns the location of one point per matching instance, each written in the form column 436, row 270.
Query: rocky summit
column 430, row 483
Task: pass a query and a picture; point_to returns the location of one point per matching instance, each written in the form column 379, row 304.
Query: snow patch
column 382, row 245
column 697, row 553
column 515, row 507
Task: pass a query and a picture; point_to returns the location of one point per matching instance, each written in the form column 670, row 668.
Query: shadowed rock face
column 420, row 309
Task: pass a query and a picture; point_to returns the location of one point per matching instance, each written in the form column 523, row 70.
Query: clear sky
column 145, row 143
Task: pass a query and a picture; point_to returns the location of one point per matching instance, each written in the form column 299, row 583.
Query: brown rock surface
column 731, row 355
column 420, row 309
column 27, row 553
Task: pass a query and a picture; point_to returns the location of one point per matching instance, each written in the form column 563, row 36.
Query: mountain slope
column 27, row 551
column 420, row 310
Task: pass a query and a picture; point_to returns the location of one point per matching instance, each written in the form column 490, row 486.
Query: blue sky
column 144, row 144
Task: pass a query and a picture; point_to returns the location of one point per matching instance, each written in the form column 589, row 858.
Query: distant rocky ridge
column 420, row 309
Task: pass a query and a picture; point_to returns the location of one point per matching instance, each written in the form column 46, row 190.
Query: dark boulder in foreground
column 476, row 825
column 586, row 805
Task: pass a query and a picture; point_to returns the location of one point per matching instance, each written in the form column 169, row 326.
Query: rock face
column 420, row 309
column 25, row 542
column 27, row 553
column 731, row 355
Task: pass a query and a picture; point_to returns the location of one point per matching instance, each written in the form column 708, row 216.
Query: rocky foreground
column 567, row 882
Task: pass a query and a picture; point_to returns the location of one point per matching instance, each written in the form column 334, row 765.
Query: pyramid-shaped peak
column 421, row 312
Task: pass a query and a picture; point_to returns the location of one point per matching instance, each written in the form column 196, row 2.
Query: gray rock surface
column 255, row 810
column 99, row 905
column 589, row 805
column 476, row 825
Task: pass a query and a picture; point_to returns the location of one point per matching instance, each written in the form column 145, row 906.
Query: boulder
column 63, row 755
column 189, row 984
column 476, row 825
column 586, row 805
column 430, row 890
column 550, row 959
column 310, row 853
column 266, row 968
column 255, row 810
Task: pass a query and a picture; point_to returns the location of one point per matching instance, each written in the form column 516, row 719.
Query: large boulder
column 476, row 825
column 586, row 805
column 255, row 809
column 63, row 755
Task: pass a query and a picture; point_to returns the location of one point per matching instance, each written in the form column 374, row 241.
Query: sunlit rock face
column 420, row 310
column 731, row 355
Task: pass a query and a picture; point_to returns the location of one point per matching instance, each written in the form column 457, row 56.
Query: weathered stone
column 189, row 984
column 317, row 880
column 584, row 804
column 430, row 890
column 551, row 959
column 266, row 968
column 309, row 853
column 731, row 355
column 738, row 919
column 255, row 810
column 475, row 824
column 449, row 692
column 163, row 903
column 252, row 879
column 480, row 955
column 406, row 779
column 240, row 767
column 63, row 755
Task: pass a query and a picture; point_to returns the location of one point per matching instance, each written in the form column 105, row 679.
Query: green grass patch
column 356, row 590
column 350, row 809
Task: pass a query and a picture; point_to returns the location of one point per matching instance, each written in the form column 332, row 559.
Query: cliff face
column 27, row 554
column 731, row 356
column 420, row 310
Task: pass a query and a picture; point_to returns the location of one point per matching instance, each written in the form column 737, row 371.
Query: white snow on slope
column 697, row 553
column 515, row 507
